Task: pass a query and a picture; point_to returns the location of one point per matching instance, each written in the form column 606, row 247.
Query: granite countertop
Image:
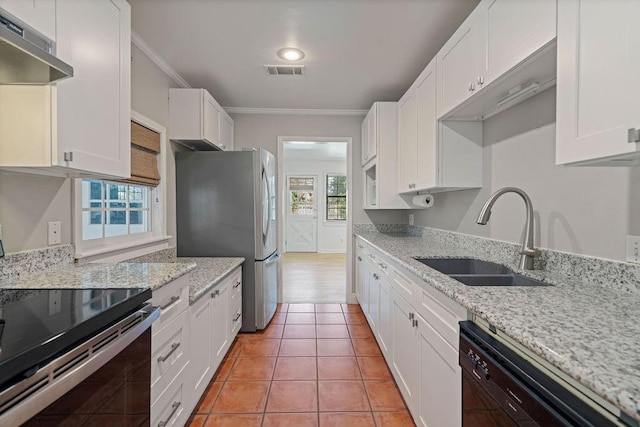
column 122, row 275
column 208, row 273
column 588, row 331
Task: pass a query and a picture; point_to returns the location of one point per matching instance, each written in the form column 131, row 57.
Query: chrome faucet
column 529, row 252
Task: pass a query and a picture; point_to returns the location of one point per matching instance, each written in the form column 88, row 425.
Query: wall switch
column 633, row 249
column 54, row 232
column 410, row 219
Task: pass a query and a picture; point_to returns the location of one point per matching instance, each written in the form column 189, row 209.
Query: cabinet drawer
column 404, row 286
column 173, row 406
column 235, row 319
column 235, row 283
column 169, row 353
column 173, row 299
column 441, row 313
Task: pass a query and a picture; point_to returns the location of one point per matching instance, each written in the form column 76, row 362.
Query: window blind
column 145, row 146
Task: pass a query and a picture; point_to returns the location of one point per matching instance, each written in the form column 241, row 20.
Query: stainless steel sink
column 497, row 280
column 464, row 266
column 474, row 272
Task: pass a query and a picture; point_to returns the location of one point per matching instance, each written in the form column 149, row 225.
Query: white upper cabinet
column 198, row 121
column 515, row 30
column 461, row 62
column 598, row 67
column 94, row 106
column 40, row 15
column 369, row 136
column 226, row 132
column 433, row 155
column 81, row 125
column 504, row 50
column 380, row 173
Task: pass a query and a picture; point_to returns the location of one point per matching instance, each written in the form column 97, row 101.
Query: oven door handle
column 16, row 408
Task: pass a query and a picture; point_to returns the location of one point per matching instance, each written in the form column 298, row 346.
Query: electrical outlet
column 633, row 249
column 411, row 219
column 54, row 232
column 55, row 302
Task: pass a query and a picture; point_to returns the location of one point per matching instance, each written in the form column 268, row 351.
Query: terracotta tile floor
column 315, row 365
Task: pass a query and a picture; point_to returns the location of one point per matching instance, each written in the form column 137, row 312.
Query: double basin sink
column 474, row 272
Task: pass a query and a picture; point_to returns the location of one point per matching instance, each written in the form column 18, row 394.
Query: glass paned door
column 302, row 214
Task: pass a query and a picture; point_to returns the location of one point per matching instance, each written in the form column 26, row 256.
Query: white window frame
column 327, row 221
column 120, row 248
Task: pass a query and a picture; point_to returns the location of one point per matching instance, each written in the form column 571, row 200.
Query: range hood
column 25, row 57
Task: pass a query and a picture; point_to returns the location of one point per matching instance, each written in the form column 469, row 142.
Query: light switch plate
column 54, row 232
column 633, row 249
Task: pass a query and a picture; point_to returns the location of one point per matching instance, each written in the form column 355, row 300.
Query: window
column 301, row 190
column 336, row 198
column 112, row 209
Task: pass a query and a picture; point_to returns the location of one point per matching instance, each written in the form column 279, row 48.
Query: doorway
column 314, row 184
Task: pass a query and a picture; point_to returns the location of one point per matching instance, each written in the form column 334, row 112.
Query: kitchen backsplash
column 611, row 274
column 18, row 263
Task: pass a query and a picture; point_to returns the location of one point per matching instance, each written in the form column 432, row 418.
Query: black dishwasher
column 500, row 388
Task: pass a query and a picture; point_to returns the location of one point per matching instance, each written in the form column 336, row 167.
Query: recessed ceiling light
column 290, row 54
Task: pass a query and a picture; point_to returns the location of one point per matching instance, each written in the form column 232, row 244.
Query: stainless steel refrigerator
column 226, row 206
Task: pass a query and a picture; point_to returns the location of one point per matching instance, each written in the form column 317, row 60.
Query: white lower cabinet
column 200, row 343
column 405, row 355
column 220, row 330
column 416, row 327
column 440, row 402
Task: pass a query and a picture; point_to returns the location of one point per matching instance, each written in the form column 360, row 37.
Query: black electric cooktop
column 38, row 325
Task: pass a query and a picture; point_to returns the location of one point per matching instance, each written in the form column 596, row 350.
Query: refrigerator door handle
column 273, row 258
column 266, row 223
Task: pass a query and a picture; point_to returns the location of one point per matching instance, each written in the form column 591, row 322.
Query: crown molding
column 295, row 111
column 158, row 60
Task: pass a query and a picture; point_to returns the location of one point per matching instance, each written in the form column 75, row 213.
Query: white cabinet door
column 94, row 107
column 597, row 93
column 407, row 141
column 211, row 120
column 385, row 333
column 515, row 30
column 226, row 132
column 364, row 140
column 440, row 402
column 358, row 268
column 219, row 327
column 38, row 14
column 426, row 155
column 461, row 62
column 364, row 277
column 372, row 132
column 200, row 326
column 374, row 300
column 405, row 355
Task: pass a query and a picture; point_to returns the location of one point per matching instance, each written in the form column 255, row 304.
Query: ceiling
column 357, row 51
column 315, row 151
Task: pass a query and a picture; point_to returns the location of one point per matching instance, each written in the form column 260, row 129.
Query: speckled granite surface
column 123, row 275
column 20, row 263
column 589, row 330
column 208, row 273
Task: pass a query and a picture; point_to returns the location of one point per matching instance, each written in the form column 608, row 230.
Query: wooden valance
column 145, row 147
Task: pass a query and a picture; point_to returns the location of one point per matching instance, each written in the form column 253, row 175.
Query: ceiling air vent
column 284, row 70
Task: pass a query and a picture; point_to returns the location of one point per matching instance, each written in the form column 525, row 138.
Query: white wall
column 263, row 130
column 29, row 202
column 332, row 235
column 585, row 210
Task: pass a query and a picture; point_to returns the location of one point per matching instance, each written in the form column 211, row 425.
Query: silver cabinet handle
column 174, row 347
column 174, row 409
column 359, row 258
column 235, row 319
column 480, row 80
column 375, row 276
column 237, row 284
column 633, row 135
column 170, row 303
column 222, row 146
column 411, row 316
column 382, row 265
column 472, row 87
column 415, row 323
column 215, row 293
